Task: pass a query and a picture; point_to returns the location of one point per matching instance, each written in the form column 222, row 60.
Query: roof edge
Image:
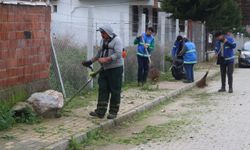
column 24, row 3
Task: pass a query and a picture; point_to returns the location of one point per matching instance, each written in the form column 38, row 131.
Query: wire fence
column 71, row 39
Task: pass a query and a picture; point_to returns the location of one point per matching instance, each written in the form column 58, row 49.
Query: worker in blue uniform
column 224, row 51
column 190, row 59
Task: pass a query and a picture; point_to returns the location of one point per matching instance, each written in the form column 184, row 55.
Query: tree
column 218, row 14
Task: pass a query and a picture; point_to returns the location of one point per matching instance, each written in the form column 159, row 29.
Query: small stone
column 131, row 102
column 136, row 132
column 163, row 110
column 21, row 106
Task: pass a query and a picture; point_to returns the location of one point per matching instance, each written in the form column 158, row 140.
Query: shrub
column 69, row 57
column 131, row 62
column 27, row 116
column 9, row 118
column 6, row 118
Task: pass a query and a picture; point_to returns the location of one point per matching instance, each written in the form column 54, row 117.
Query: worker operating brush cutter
column 110, row 78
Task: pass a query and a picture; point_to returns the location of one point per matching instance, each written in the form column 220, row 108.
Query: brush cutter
column 92, row 76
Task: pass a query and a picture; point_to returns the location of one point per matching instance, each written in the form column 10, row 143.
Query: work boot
column 111, row 116
column 222, row 90
column 230, row 90
column 94, row 114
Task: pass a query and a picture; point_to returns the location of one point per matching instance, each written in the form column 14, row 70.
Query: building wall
column 71, row 19
column 24, row 47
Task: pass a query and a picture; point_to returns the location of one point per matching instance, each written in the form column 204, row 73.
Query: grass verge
column 9, row 118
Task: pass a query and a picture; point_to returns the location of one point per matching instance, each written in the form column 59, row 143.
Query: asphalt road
column 221, row 124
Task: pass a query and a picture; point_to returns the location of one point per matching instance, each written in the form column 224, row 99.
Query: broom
column 203, row 81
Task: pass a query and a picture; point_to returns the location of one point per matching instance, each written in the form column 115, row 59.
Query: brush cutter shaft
column 92, row 76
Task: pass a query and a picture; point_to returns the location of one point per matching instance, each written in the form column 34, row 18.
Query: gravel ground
column 224, row 123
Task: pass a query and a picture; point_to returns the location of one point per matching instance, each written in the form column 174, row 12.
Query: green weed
column 167, row 130
column 27, row 116
column 74, row 145
column 8, row 137
column 149, row 87
column 167, row 76
column 41, row 130
column 6, row 116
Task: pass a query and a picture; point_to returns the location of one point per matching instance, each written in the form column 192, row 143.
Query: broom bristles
column 202, row 83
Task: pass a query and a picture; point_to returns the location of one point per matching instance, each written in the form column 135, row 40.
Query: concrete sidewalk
column 56, row 133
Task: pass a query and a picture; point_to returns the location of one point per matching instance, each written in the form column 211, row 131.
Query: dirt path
column 200, row 119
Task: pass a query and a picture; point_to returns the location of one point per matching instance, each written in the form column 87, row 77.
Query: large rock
column 47, row 103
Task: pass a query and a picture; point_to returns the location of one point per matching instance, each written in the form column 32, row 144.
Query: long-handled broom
column 203, row 81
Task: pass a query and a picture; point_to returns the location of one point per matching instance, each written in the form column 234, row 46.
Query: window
column 155, row 19
column 145, row 11
column 135, row 20
column 54, row 8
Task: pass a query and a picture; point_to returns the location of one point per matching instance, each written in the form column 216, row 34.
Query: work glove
column 87, row 63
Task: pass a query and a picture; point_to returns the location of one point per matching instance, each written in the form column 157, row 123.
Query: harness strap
column 105, row 47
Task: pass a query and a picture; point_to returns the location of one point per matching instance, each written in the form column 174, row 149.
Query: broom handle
column 210, row 66
column 149, row 59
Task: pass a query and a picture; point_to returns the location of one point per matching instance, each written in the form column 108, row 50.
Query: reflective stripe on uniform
column 143, row 55
column 229, row 58
column 190, row 51
column 190, row 62
column 141, row 43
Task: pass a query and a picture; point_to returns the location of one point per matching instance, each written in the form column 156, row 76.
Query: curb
column 63, row 144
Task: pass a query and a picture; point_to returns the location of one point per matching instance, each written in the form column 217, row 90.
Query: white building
column 71, row 18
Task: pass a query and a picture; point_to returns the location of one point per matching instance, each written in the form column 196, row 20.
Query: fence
column 70, row 50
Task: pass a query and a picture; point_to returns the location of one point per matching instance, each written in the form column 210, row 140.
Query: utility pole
column 177, row 28
column 122, row 36
column 143, row 23
column 186, row 29
column 163, row 40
